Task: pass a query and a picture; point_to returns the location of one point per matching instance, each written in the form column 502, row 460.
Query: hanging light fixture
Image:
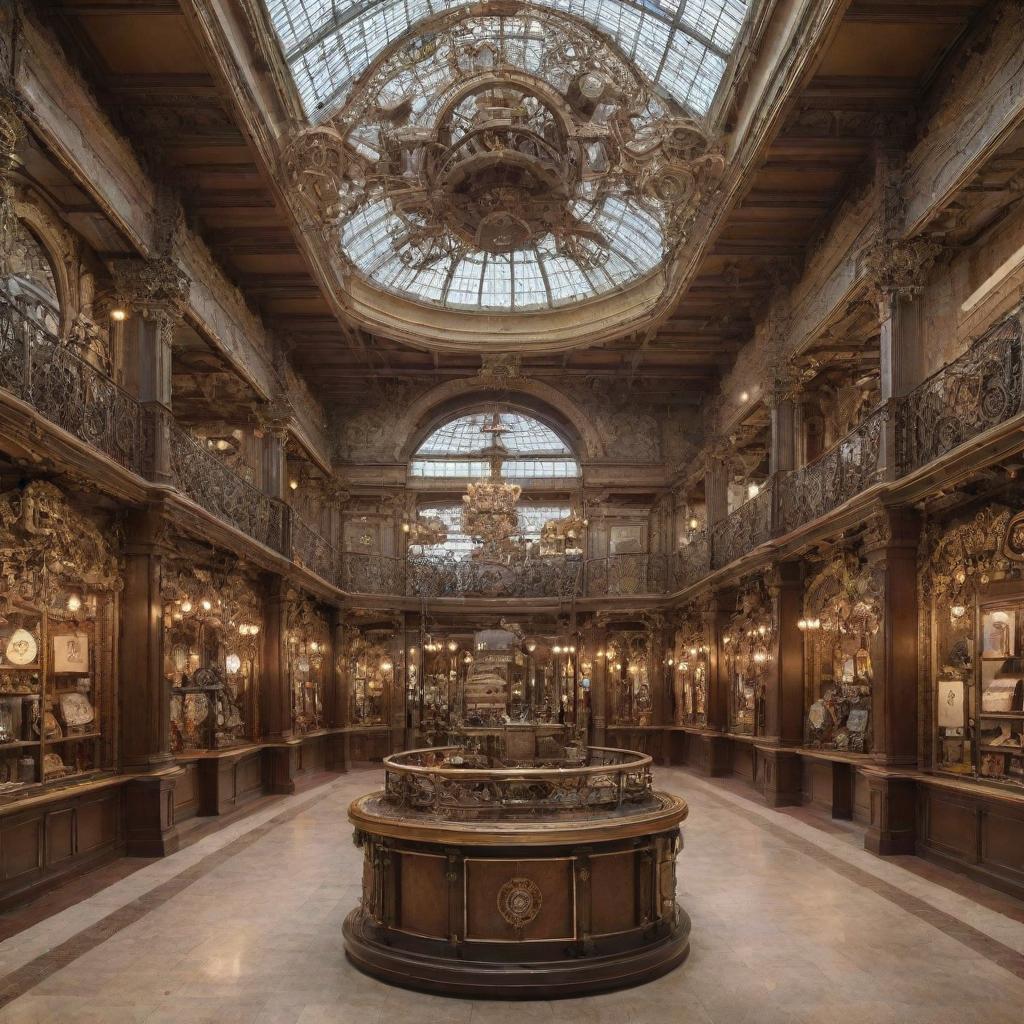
column 489, row 512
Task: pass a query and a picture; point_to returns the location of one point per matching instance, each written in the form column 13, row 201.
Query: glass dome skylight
column 680, row 45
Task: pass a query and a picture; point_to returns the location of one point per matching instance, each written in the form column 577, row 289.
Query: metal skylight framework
column 536, row 452
column 682, row 46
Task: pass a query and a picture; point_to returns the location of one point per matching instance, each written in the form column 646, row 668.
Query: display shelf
column 15, row 744
column 1001, row 714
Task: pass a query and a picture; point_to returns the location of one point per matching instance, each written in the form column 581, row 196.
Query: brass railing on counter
column 421, row 781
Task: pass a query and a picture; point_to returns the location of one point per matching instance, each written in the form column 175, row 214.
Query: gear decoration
column 520, row 901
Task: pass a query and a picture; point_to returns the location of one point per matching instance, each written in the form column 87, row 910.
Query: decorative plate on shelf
column 22, row 647
column 76, row 710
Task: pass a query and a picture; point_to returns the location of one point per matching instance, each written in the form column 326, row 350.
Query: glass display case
column 58, row 616
column 689, row 665
column 970, row 612
column 842, row 615
column 308, row 642
column 212, row 624
column 628, row 679
column 999, row 689
column 747, row 643
column 374, row 663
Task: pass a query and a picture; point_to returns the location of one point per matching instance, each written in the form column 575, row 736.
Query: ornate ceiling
column 682, row 45
column 202, row 91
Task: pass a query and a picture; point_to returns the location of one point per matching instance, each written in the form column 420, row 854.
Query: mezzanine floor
column 792, row 921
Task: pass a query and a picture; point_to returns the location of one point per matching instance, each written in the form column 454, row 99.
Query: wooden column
column 890, row 549
column 716, row 489
column 337, row 692
column 275, row 696
column 715, row 757
column 783, row 431
column 784, row 697
column 155, row 295
column 597, row 638
column 144, row 694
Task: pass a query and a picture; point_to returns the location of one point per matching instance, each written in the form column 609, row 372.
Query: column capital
column 897, row 268
column 158, row 289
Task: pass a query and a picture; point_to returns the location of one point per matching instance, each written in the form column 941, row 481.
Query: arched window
column 457, row 450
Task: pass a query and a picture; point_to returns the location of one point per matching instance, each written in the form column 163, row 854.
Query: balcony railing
column 692, row 561
column 366, row 572
column 744, row 528
column 847, row 468
column 626, row 575
column 68, row 390
column 542, row 576
column 311, row 550
column 972, row 394
column 969, row 396
column 203, row 476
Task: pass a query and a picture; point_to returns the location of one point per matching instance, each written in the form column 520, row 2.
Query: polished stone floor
column 792, row 922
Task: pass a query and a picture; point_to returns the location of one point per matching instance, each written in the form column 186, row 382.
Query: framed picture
column 950, row 700
column 71, row 653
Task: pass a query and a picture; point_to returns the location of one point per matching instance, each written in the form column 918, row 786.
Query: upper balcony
column 976, row 396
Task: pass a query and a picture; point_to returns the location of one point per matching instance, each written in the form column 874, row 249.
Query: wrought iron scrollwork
column 312, row 551
column 69, row 391
column 841, row 473
column 977, row 391
column 203, row 476
column 541, row 576
column 747, row 527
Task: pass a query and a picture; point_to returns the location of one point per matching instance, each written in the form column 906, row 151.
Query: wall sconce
column 531, row 646
column 386, row 666
column 118, row 315
column 206, row 604
column 74, row 602
column 186, row 606
column 452, row 646
column 808, row 624
column 556, row 649
column 760, row 657
column 753, row 490
column 957, row 611
column 232, row 663
column 744, row 396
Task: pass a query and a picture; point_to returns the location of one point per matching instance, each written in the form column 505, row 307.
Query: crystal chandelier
column 489, row 513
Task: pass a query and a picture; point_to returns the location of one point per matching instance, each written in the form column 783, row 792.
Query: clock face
column 21, row 648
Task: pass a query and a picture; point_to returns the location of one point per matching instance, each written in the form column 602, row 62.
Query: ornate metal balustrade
column 626, row 575
column 420, row 781
column 692, row 561
column 366, row 572
column 313, row 551
column 745, row 528
column 542, row 576
column 203, row 476
column 847, row 468
column 972, row 394
column 67, row 390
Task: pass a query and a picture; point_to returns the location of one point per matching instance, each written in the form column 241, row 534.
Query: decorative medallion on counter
column 519, row 901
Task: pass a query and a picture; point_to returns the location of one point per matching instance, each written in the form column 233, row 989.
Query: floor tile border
column 23, row 979
column 974, row 938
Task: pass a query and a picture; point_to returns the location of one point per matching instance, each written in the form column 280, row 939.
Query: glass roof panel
column 680, row 44
column 463, row 436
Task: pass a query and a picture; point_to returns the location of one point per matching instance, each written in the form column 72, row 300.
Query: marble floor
column 792, row 921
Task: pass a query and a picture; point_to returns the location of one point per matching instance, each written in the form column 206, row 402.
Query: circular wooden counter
column 518, row 883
